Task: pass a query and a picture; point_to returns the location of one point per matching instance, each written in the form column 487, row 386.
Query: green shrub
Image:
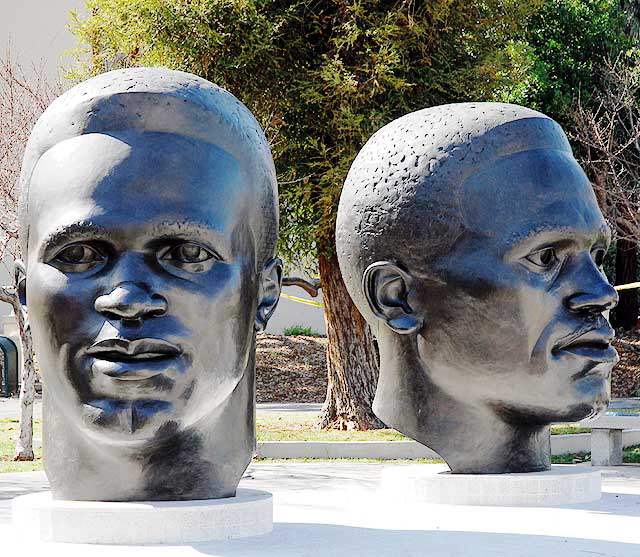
column 300, row 330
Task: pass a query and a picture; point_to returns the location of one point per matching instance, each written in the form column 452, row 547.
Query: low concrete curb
column 387, row 450
column 397, row 450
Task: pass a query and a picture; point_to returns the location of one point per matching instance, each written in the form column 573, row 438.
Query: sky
column 37, row 31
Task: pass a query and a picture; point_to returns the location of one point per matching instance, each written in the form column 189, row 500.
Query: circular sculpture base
column 419, row 483
column 249, row 513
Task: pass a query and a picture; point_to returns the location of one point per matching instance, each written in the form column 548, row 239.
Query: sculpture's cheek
column 221, row 322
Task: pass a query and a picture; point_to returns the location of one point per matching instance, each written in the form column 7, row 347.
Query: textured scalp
column 401, row 198
column 164, row 101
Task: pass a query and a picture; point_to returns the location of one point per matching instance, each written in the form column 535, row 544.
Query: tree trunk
column 24, row 444
column 352, row 362
column 626, row 314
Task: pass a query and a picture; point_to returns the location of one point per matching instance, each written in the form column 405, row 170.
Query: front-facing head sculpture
column 148, row 223
column 471, row 240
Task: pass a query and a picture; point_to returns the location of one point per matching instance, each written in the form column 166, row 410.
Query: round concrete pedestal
column 563, row 484
column 249, row 513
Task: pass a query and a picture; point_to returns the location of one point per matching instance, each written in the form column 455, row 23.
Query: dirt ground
column 625, row 380
column 293, row 369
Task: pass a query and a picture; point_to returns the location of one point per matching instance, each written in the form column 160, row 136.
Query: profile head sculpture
column 148, row 222
column 470, row 239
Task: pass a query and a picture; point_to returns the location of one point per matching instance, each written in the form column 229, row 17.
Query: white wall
column 290, row 313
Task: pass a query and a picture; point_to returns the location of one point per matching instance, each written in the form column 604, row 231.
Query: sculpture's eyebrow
column 187, row 229
column 550, row 233
column 184, row 227
column 83, row 230
column 190, row 229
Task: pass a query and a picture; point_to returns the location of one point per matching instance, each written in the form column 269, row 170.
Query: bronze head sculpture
column 471, row 241
column 149, row 218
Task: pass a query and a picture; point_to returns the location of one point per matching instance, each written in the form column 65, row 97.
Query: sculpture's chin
column 133, row 422
column 580, row 407
column 582, row 411
column 593, row 394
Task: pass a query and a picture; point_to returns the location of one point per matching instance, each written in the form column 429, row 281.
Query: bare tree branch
column 310, row 286
column 608, row 127
column 24, row 95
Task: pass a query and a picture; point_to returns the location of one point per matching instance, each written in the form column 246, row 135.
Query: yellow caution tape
column 627, row 286
column 303, row 301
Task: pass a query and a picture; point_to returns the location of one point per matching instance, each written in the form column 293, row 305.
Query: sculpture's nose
column 593, row 293
column 130, row 301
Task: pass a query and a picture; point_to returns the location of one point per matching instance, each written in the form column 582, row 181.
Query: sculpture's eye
column 78, row 257
column 598, row 256
column 545, row 258
column 190, row 257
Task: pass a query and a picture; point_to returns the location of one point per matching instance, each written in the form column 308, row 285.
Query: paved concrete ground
column 289, row 407
column 334, row 509
column 10, row 407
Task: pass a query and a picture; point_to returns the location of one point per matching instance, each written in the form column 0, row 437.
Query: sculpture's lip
column 125, row 350
column 593, row 343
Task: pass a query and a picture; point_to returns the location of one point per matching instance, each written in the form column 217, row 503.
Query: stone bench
column 606, row 437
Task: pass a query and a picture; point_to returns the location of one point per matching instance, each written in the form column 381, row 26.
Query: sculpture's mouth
column 590, row 343
column 133, row 359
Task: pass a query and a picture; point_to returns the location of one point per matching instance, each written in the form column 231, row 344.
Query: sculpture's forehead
column 136, row 178
column 153, row 165
column 541, row 191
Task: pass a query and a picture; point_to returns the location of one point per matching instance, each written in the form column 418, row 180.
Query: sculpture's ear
column 386, row 287
column 20, row 276
column 268, row 291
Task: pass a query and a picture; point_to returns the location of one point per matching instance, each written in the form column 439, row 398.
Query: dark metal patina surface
column 148, row 227
column 471, row 240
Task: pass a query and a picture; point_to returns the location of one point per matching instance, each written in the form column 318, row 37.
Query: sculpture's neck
column 472, row 438
column 205, row 461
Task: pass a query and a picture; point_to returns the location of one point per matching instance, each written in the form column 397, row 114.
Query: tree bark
column 625, row 314
column 24, row 444
column 352, row 362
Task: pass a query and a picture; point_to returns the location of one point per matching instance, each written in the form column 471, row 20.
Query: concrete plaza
column 335, row 509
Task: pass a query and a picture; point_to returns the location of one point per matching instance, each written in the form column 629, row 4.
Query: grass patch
column 9, row 430
column 301, row 426
column 568, row 429
column 572, row 458
column 630, row 455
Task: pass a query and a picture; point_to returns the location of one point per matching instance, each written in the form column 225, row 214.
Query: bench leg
column 606, row 447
